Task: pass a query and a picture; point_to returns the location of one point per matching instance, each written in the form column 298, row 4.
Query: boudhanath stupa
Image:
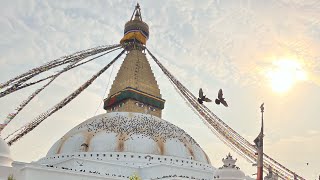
column 130, row 140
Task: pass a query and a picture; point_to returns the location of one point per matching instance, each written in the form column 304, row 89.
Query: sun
column 284, row 74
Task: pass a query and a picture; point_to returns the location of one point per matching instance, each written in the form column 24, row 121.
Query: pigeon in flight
column 202, row 97
column 220, row 99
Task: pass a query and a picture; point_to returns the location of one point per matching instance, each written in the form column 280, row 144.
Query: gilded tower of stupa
column 135, row 88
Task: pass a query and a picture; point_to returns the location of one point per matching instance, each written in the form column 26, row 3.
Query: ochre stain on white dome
column 129, row 132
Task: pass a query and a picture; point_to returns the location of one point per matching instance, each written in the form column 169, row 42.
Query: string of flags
column 16, row 83
column 224, row 132
column 29, row 127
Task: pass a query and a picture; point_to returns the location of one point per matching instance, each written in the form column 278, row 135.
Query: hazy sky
column 239, row 46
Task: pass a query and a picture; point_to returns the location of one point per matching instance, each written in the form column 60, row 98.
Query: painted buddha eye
column 139, row 104
column 121, row 104
column 152, row 108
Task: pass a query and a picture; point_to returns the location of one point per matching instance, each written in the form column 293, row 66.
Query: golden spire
column 135, row 30
column 135, row 88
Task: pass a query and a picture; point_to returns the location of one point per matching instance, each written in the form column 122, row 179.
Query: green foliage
column 11, row 177
column 134, row 177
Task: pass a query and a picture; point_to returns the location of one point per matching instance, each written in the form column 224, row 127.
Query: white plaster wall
column 199, row 154
column 134, row 159
column 174, row 147
column 113, row 164
column 229, row 174
column 103, row 142
column 40, row 174
column 96, row 167
column 5, row 161
column 187, row 173
column 5, row 172
column 73, row 144
column 54, row 149
column 43, row 173
column 141, row 144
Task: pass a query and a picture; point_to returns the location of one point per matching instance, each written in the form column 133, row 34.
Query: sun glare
column 284, row 74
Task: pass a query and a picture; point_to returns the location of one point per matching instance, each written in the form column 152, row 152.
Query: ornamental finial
column 262, row 107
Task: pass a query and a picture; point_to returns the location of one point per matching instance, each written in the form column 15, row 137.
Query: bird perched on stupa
column 220, row 99
column 202, row 98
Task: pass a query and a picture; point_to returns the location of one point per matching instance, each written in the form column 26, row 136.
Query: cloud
column 208, row 44
column 237, row 38
column 295, row 143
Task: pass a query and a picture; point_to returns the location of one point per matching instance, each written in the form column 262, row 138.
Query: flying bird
column 220, row 99
column 202, row 97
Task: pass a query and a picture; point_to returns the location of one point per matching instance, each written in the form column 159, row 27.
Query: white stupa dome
column 129, row 132
column 5, row 157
